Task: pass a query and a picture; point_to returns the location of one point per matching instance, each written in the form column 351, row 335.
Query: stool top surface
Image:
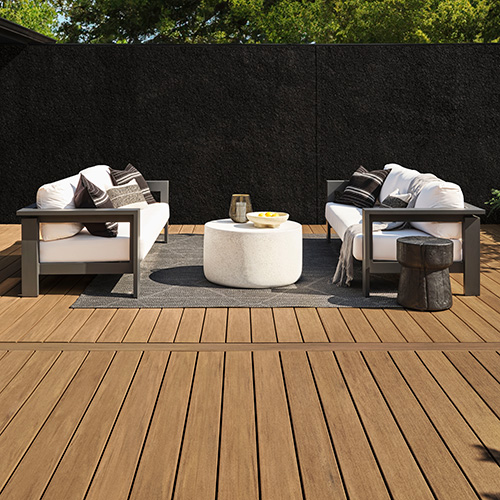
column 228, row 225
column 424, row 240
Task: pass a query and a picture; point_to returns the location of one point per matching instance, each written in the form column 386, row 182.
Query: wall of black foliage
column 274, row 121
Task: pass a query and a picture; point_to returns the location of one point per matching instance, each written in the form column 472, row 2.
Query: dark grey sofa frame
column 469, row 217
column 31, row 217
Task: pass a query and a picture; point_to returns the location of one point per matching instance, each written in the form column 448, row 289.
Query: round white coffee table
column 243, row 256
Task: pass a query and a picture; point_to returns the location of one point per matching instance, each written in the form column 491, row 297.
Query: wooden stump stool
column 424, row 283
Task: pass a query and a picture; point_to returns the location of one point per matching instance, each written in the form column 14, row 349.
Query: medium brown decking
column 247, row 403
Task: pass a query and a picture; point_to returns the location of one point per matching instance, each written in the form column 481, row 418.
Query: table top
column 248, row 227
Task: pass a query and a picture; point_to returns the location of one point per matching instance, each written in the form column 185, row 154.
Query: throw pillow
column 363, row 188
column 121, row 177
column 396, row 200
column 127, row 196
column 88, row 195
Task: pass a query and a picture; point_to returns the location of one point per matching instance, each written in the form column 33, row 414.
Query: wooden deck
column 247, row 403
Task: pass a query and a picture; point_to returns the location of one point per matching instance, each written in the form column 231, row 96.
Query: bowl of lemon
column 267, row 219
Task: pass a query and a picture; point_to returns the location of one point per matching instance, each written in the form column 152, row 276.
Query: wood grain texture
column 334, row 325
column 403, row 476
column 262, row 321
column 310, row 325
column 119, row 325
column 438, row 465
column 10, row 364
column 279, row 473
column 238, row 467
column 19, row 434
column 468, row 450
column 318, row 465
column 351, row 444
column 215, row 325
column 190, row 326
column 141, row 328
column 33, row 473
column 158, row 464
column 166, row 327
column 115, row 473
column 78, row 464
column 197, row 473
column 238, row 325
column 287, row 328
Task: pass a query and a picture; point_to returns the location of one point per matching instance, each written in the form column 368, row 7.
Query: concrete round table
column 244, row 256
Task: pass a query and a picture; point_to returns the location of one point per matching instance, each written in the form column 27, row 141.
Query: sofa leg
column 328, row 232
column 471, row 255
column 136, row 284
column 366, row 278
column 165, row 233
column 30, row 267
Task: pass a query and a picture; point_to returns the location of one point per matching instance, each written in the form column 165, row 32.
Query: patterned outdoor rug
column 172, row 276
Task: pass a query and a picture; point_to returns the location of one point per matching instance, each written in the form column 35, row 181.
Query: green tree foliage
column 261, row 21
column 38, row 16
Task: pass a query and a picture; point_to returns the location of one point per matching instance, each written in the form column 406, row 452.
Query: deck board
column 261, row 403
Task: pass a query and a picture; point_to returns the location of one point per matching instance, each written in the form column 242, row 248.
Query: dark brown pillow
column 88, row 195
column 121, row 177
column 363, row 188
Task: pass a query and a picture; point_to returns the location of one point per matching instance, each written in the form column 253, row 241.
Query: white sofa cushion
column 340, row 217
column 399, row 178
column 440, row 194
column 385, row 244
column 60, row 194
column 84, row 247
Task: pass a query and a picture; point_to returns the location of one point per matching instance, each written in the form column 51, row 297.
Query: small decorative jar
column 240, row 206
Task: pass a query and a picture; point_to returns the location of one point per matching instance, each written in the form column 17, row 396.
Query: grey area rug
column 172, row 276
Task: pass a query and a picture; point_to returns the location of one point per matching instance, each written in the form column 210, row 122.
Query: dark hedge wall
column 274, row 121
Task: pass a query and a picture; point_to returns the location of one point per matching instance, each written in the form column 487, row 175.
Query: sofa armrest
column 161, row 187
column 421, row 214
column 80, row 214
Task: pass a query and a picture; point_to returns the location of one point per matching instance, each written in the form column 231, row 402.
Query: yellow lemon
column 262, row 214
column 269, row 214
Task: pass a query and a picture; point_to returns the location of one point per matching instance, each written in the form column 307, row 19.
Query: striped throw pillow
column 363, row 188
column 121, row 177
column 88, row 195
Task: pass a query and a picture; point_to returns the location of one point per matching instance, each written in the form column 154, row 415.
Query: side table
column 424, row 283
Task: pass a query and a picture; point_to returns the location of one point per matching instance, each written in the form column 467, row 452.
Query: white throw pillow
column 399, row 178
column 440, row 194
column 58, row 194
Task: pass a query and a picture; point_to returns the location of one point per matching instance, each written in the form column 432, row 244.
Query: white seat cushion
column 399, row 178
column 85, row 247
column 340, row 217
column 440, row 194
column 385, row 244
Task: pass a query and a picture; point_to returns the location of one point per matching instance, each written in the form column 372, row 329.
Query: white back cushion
column 399, row 178
column 440, row 194
column 60, row 194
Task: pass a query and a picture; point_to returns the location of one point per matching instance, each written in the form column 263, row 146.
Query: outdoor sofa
column 85, row 253
column 433, row 215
